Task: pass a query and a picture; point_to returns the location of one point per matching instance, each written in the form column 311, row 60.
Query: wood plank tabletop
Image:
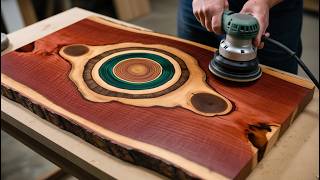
column 52, row 24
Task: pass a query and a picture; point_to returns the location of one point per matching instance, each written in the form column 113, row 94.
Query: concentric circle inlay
column 135, row 73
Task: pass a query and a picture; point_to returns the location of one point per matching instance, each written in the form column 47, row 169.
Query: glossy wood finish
column 173, row 141
column 187, row 79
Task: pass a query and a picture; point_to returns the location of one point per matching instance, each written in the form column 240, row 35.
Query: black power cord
column 292, row 54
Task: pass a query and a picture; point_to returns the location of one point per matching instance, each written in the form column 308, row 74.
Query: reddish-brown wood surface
column 221, row 143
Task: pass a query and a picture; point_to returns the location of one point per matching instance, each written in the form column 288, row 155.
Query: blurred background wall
column 19, row 13
column 19, row 162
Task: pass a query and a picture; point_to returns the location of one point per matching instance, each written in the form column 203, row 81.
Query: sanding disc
column 244, row 71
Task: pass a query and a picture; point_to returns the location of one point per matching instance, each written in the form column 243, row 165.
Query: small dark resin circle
column 76, row 50
column 208, row 103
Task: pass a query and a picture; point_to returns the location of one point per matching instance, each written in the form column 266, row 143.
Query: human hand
column 209, row 13
column 260, row 10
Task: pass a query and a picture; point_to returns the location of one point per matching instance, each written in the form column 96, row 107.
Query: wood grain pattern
column 173, row 141
column 188, row 79
column 137, row 70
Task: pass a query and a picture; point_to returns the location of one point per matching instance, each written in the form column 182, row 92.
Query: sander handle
column 238, row 25
column 224, row 19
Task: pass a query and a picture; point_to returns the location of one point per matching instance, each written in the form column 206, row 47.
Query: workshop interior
column 124, row 61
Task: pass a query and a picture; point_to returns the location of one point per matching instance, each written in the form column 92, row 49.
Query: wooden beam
column 41, row 149
column 129, row 9
column 27, row 11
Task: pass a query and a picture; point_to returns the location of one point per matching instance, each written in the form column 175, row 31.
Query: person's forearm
column 270, row 3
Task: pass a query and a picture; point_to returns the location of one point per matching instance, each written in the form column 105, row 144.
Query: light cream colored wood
column 284, row 161
column 254, row 161
column 155, row 151
column 293, row 116
column 180, row 97
column 129, row 9
column 272, row 138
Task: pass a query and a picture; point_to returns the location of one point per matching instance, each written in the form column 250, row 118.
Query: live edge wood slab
column 149, row 99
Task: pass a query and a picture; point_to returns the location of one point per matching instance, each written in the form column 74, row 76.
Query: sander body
column 236, row 59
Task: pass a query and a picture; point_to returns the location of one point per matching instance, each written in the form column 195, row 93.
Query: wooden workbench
column 96, row 166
